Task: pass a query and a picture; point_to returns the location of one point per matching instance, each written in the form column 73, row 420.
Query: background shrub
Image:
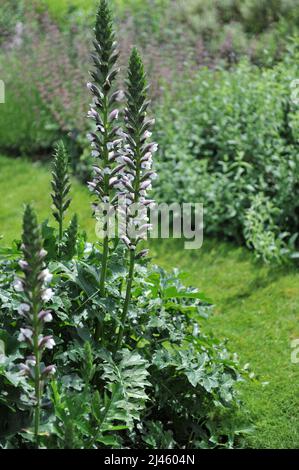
column 233, row 134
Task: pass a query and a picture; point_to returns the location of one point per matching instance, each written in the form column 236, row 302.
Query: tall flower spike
column 61, row 187
column 138, row 175
column 35, row 293
column 105, row 140
column 138, row 151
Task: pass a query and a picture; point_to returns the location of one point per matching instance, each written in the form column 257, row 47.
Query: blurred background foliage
column 221, row 74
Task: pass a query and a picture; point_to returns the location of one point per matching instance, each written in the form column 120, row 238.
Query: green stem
column 37, row 381
column 132, row 253
column 127, row 302
column 104, row 266
column 60, row 227
column 60, row 233
column 99, row 326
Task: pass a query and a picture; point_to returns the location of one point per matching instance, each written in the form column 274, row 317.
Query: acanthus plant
column 61, row 188
column 105, row 141
column 155, row 381
column 35, row 294
column 123, row 159
column 137, row 180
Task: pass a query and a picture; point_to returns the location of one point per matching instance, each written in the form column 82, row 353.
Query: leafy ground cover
column 256, row 306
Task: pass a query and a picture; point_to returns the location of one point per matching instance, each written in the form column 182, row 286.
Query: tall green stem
column 61, row 227
column 127, row 302
column 140, row 155
column 99, row 326
column 132, row 256
column 37, row 378
column 60, row 234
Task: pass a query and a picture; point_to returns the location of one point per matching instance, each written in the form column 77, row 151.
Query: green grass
column 257, row 310
column 256, row 306
column 21, row 182
column 60, row 9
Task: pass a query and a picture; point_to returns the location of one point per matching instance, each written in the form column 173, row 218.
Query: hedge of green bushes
column 228, row 132
column 229, row 136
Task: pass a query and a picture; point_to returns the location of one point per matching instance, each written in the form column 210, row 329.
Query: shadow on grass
column 227, row 257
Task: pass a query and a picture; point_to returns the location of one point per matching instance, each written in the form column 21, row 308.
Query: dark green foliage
column 70, row 239
column 60, row 186
column 229, row 137
column 10, row 13
column 130, row 356
column 170, row 375
column 136, row 95
column 105, row 47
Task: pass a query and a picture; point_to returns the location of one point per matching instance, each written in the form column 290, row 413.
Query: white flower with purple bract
column 43, row 253
column 146, row 165
column 93, row 114
column 47, row 295
column 24, row 369
column 147, row 135
column 46, row 342
column 114, row 114
column 49, row 370
column 25, row 335
column 46, row 276
column 23, row 264
column 45, row 316
column 23, row 309
column 18, row 285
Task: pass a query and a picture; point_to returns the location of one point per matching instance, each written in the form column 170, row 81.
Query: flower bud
column 114, row 114
column 25, row 335
column 49, row 370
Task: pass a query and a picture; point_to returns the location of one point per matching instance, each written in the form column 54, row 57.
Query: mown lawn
column 256, row 306
column 21, row 182
column 257, row 310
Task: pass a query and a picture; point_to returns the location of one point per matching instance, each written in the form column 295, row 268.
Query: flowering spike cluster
column 137, row 154
column 35, row 292
column 60, row 185
column 105, row 141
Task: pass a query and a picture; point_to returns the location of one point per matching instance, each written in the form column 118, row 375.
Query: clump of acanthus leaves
column 131, row 366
